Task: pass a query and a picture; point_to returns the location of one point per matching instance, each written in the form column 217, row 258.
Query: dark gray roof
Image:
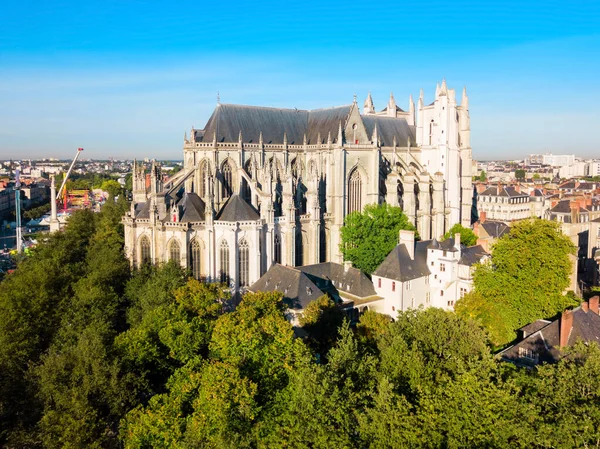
column 562, row 207
column 237, row 209
column 228, row 120
column 495, row 229
column 298, row 290
column 325, row 121
column 193, row 207
column 472, row 255
column 399, row 266
column 503, row 191
column 388, row 128
column 352, row 281
column 546, row 341
column 142, row 210
column 530, row 328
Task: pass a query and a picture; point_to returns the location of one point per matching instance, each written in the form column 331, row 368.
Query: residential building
column 544, row 341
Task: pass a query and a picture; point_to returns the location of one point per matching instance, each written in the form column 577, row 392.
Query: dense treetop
column 369, row 236
column 93, row 355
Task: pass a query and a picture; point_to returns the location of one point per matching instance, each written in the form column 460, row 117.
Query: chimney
column 408, row 239
column 593, row 302
column 584, row 306
column 566, row 324
column 518, row 188
column 482, row 217
column 498, row 189
column 457, row 241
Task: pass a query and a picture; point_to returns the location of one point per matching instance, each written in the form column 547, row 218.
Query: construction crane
column 60, row 191
column 54, row 224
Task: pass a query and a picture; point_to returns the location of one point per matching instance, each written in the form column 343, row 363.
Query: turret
column 411, row 111
column 391, row 107
column 369, row 106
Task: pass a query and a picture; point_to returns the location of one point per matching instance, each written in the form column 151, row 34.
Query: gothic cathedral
column 266, row 185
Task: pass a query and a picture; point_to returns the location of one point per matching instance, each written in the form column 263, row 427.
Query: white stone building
column 264, row 185
column 425, row 274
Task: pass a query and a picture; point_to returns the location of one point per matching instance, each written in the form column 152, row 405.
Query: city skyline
column 129, row 80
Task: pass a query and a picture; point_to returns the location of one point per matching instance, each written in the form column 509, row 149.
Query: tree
column 321, row 320
column 369, row 236
column 467, row 236
column 520, row 174
column 527, row 276
column 113, row 188
column 536, row 176
column 483, row 176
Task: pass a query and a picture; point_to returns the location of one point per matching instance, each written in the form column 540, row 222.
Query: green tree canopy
column 520, row 174
column 525, row 281
column 483, row 176
column 112, row 187
column 369, row 236
column 467, row 236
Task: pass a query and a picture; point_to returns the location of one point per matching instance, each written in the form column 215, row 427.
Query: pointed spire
column 329, row 138
column 444, row 88
column 215, row 139
column 465, row 98
column 340, row 137
column 304, row 140
column 394, row 143
column 185, row 136
column 319, row 142
column 411, row 111
column 354, row 101
column 192, row 135
column 285, row 142
column 391, row 108
column 375, row 137
column 260, row 139
column 218, row 98
column 437, row 90
column 240, row 136
column 369, row 106
column 421, row 99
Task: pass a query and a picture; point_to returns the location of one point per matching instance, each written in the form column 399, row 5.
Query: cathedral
column 262, row 185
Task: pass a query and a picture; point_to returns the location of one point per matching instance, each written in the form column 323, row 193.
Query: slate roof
column 472, row 255
column 352, row 281
column 297, row 288
column 388, row 128
column 193, row 207
column 399, row 266
column 508, row 191
column 142, row 210
column 545, row 341
column 228, row 120
column 495, row 229
column 562, row 207
column 237, row 209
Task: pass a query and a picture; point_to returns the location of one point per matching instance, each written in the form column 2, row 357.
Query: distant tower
column 138, row 183
column 369, row 107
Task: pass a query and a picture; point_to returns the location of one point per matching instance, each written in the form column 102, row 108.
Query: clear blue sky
column 128, row 78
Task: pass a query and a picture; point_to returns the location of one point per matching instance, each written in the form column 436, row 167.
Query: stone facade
column 264, row 185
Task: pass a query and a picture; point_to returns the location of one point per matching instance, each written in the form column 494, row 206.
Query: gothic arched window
column 244, row 263
column 145, row 256
column 175, row 252
column 224, row 261
column 195, row 258
column 277, row 249
column 354, row 192
column 227, row 179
